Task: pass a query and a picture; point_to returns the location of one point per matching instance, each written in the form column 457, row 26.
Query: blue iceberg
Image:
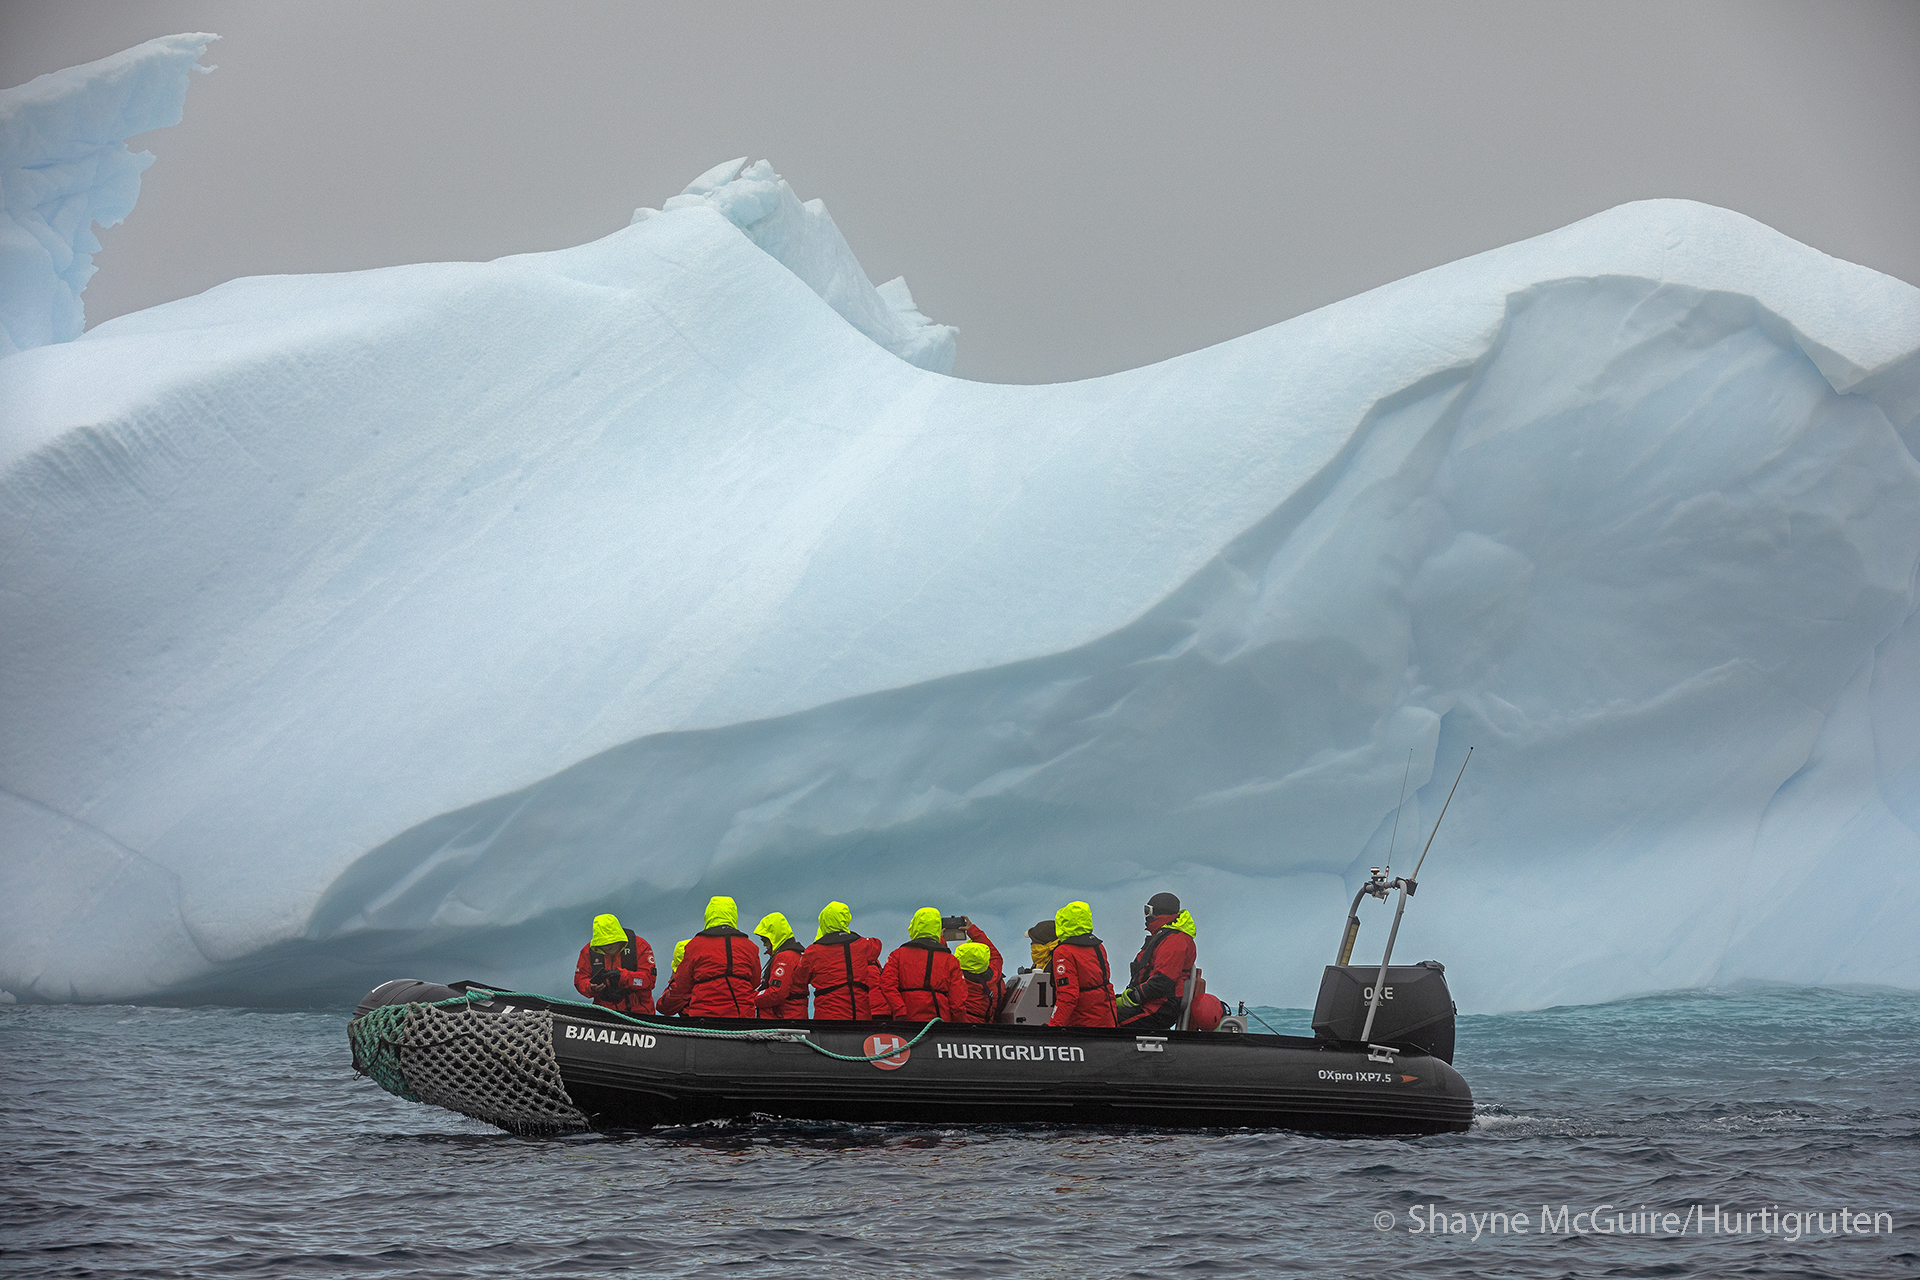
column 400, row 620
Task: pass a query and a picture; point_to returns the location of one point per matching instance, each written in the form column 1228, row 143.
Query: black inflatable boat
column 1379, row 1061
column 533, row 1065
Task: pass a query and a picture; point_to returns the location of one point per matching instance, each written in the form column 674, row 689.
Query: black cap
column 1042, row 932
column 1163, row 904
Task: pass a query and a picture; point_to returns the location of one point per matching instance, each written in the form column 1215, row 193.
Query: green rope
column 870, row 1057
column 790, row 1034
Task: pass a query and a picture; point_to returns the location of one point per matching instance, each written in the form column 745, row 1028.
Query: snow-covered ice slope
column 65, row 166
column 399, row 621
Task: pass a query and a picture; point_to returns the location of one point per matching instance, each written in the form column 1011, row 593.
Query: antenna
column 1407, row 773
column 1408, row 885
column 1376, row 883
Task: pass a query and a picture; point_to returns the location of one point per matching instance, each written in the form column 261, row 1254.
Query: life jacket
column 940, row 996
column 1079, row 1001
column 627, row 959
column 985, row 991
column 741, row 975
column 795, row 1005
column 766, row 973
column 1159, row 999
column 832, row 957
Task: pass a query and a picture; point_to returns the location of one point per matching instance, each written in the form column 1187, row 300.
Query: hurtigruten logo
column 880, row 1044
column 1012, row 1052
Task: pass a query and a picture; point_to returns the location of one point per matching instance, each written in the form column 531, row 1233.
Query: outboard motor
column 1416, row 1009
column 1029, row 998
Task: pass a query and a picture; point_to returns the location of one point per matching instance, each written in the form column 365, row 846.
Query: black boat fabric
column 534, row 1065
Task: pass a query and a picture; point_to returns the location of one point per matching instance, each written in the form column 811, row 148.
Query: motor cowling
column 1416, row 1009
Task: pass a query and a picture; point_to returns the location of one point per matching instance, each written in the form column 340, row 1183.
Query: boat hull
column 533, row 1065
column 967, row 1074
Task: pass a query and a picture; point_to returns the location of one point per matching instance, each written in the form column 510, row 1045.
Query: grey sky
column 1081, row 188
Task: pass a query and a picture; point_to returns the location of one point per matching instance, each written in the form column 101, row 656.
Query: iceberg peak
column 803, row 238
column 64, row 166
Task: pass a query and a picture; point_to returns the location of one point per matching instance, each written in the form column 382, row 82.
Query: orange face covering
column 1042, row 954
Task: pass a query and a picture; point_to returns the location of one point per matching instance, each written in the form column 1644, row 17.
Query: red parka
column 1160, row 973
column 882, row 1003
column 783, row 988
column 1082, row 983
column 840, row 969
column 922, row 981
column 717, row 978
column 632, row 972
column 984, row 990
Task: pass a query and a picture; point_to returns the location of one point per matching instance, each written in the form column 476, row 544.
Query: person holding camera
column 985, row 986
column 616, row 968
column 922, row 980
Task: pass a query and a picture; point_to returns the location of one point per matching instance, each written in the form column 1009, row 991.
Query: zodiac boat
column 533, row 1065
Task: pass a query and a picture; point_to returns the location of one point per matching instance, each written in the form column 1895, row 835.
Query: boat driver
column 1161, row 972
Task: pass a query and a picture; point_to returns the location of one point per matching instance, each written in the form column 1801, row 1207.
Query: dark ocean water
column 213, row 1142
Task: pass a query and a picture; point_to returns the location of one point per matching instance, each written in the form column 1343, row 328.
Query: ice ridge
column 804, row 239
column 65, row 168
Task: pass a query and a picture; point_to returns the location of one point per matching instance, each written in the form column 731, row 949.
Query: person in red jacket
column 615, row 968
column 985, row 986
column 921, row 979
column 1162, row 970
column 840, row 968
column 1082, row 981
column 976, row 934
column 719, row 973
column 881, row 1003
column 783, row 989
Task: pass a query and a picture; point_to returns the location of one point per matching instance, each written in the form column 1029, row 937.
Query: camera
column 954, row 928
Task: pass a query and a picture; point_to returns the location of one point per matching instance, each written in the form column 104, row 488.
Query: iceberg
column 65, row 167
column 400, row 620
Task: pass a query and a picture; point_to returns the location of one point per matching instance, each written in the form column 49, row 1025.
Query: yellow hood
column 680, row 951
column 1074, row 918
column 774, row 928
column 973, row 956
column 722, row 911
column 1184, row 923
column 835, row 917
column 925, row 924
column 607, row 929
